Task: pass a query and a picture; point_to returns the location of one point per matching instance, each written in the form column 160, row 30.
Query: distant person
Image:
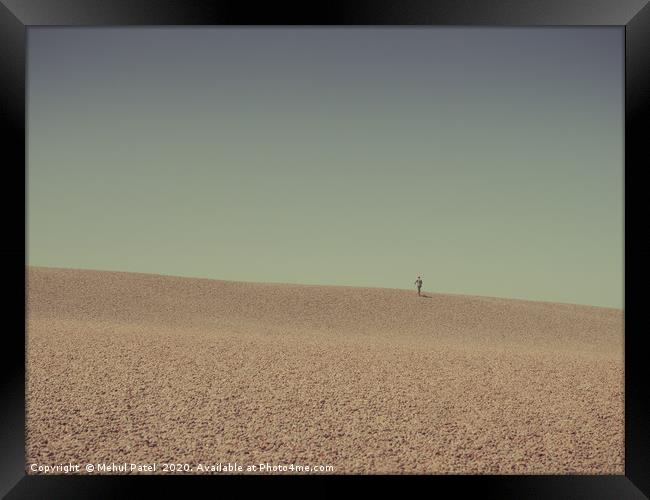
column 418, row 283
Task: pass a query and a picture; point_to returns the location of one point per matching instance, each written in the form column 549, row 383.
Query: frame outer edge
column 637, row 254
column 12, row 252
column 12, row 80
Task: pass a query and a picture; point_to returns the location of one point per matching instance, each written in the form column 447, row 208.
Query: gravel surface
column 140, row 368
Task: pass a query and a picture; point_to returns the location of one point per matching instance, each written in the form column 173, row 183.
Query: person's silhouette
column 418, row 283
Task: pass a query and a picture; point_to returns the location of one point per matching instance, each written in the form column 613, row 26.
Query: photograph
column 325, row 250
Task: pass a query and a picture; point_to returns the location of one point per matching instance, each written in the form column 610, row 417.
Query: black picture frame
column 16, row 16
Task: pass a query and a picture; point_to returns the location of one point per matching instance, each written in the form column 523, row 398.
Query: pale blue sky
column 488, row 160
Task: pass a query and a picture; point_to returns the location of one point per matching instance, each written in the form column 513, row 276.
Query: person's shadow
column 425, row 296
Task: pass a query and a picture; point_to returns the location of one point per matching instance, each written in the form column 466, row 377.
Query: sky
column 487, row 160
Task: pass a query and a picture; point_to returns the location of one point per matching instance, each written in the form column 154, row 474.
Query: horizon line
column 469, row 295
